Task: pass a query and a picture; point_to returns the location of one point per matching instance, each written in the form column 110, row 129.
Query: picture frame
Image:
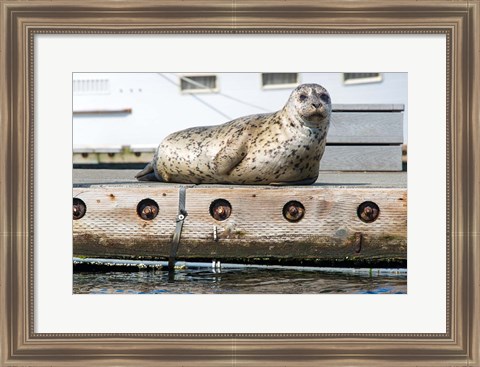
column 459, row 21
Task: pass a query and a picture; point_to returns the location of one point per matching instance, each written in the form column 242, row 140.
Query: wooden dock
column 345, row 219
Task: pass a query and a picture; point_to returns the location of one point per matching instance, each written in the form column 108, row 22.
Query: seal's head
column 310, row 104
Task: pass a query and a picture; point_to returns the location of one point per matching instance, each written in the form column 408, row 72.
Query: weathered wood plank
column 368, row 107
column 365, row 128
column 362, row 158
column 126, row 178
column 255, row 230
column 113, row 155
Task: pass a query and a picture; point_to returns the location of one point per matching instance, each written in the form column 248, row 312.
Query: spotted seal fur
column 283, row 147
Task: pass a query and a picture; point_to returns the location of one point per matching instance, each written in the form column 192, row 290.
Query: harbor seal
column 283, row 147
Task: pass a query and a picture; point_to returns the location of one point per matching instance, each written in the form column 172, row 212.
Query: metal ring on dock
column 147, row 209
column 368, row 211
column 293, row 211
column 79, row 208
column 220, row 209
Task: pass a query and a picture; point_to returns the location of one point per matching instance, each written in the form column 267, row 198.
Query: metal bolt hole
column 79, row 208
column 147, row 209
column 293, row 211
column 368, row 211
column 220, row 209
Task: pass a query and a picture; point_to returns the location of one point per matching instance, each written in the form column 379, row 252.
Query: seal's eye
column 303, row 97
column 325, row 98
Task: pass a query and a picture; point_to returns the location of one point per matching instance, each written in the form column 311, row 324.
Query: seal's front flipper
column 229, row 156
column 307, row 181
column 147, row 174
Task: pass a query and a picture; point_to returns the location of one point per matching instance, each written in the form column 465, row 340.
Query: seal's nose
column 316, row 105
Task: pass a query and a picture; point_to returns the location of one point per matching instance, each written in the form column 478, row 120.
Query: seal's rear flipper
column 307, row 181
column 147, row 174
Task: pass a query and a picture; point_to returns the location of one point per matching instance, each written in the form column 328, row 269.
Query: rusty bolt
column 293, row 211
column 220, row 209
column 368, row 211
column 138, row 154
column 357, row 245
column 84, row 155
column 149, row 212
column 79, row 208
column 147, row 209
column 111, row 154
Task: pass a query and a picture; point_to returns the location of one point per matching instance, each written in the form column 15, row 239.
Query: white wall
column 159, row 108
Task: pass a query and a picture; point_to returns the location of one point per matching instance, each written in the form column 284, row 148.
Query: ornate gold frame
column 459, row 20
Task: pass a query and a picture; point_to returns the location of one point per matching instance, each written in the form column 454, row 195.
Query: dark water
column 237, row 281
